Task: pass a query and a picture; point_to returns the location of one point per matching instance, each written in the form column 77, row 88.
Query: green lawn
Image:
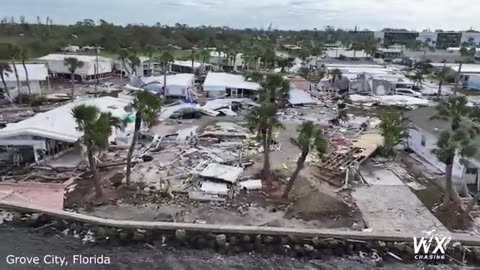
column 468, row 92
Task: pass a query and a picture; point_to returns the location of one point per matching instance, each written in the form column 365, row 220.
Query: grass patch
column 468, row 92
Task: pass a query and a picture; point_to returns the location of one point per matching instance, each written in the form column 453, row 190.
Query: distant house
column 71, row 49
column 220, row 60
column 423, row 137
column 56, row 66
column 219, row 84
column 147, row 67
column 346, row 53
column 186, row 67
column 178, row 85
column 37, row 75
column 388, row 53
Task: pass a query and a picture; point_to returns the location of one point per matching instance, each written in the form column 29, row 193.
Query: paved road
column 25, row 242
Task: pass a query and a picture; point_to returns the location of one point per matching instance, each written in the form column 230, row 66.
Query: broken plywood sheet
column 368, row 142
column 222, row 172
column 251, row 184
column 214, row 188
column 203, row 197
column 184, row 135
column 228, row 112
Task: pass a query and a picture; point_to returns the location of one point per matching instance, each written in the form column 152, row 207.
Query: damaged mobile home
column 48, row 135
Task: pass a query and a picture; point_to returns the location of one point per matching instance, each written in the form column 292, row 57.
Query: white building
column 178, row 85
column 72, row 49
column 186, row 67
column 343, row 52
column 37, row 75
column 147, row 67
column 220, row 59
column 228, row 85
column 56, row 65
column 51, row 133
column 423, row 139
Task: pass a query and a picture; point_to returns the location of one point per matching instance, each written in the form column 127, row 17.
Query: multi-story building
column 440, row 40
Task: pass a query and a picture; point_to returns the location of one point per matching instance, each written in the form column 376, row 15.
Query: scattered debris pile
column 346, row 157
column 216, row 107
column 206, row 164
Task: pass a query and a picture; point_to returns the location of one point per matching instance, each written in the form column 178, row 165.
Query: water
column 29, row 243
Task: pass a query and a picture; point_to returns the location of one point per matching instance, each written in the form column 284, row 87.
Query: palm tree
column 15, row 53
column 335, row 74
column 426, row 45
column 73, row 64
column 204, row 56
column 219, row 49
column 96, row 127
column 193, row 57
column 165, row 59
column 149, row 51
column 418, row 78
column 304, row 72
column 442, row 76
column 264, row 119
column 308, row 136
column 392, row 128
column 24, row 55
column 448, row 146
column 134, row 62
column 459, row 115
column 147, row 106
column 5, row 69
column 356, row 46
column 122, row 56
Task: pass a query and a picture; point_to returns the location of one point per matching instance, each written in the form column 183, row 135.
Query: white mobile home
column 228, row 85
column 37, row 75
column 178, row 85
column 49, row 134
column 423, row 137
column 56, row 65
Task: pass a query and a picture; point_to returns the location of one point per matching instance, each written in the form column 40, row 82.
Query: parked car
column 407, row 92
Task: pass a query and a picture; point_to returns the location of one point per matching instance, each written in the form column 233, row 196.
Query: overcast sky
column 283, row 14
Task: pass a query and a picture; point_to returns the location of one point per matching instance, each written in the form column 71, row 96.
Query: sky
column 282, row 14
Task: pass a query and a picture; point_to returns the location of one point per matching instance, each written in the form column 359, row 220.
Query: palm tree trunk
column 440, row 88
column 138, row 122
column 165, row 79
column 150, row 66
column 448, row 185
column 27, row 78
column 72, row 78
column 5, row 86
column 266, row 160
column 451, row 192
column 300, row 164
column 93, row 169
column 193, row 64
column 471, row 204
column 20, row 99
column 457, row 79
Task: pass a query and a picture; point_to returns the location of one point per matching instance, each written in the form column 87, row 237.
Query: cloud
column 284, row 14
